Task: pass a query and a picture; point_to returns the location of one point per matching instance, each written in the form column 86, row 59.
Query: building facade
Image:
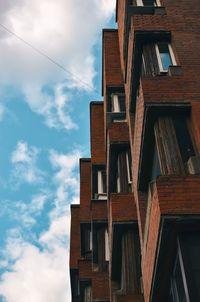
column 136, row 234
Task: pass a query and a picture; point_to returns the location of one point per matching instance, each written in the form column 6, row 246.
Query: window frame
column 171, row 54
column 140, row 3
column 128, row 167
column 86, row 246
column 107, row 251
column 99, row 185
column 115, row 104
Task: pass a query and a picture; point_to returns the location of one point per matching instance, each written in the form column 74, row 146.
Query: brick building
column 136, row 234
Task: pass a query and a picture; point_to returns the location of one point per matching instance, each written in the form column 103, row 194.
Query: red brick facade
column 138, row 222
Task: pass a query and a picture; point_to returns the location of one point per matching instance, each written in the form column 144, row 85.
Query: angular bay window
column 174, row 144
column 168, row 149
column 157, row 58
column 100, row 255
column 99, row 182
column 86, row 240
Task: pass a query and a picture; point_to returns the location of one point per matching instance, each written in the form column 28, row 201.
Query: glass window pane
column 165, row 55
column 178, row 279
column 191, row 252
column 183, row 137
column 121, row 100
column 148, row 2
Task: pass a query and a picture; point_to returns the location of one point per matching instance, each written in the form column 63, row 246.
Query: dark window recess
column 148, row 2
column 130, row 275
column 121, row 176
column 74, row 283
column 178, row 290
column 99, row 182
column 185, row 281
column 99, row 247
column 85, row 291
column 86, row 240
column 150, row 65
column 190, row 246
column 118, row 103
column 122, row 182
column 183, row 137
column 157, row 58
column 127, row 271
column 155, row 172
column 167, row 147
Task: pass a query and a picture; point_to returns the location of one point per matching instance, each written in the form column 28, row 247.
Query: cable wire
column 48, row 58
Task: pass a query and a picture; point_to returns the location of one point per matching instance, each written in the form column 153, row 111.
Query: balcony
column 173, row 206
column 99, row 209
column 85, row 269
column 122, row 207
column 118, row 131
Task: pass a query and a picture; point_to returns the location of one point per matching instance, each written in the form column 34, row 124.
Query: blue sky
column 44, row 130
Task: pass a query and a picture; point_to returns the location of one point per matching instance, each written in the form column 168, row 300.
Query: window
column 99, row 182
column 86, row 240
column 130, row 261
column 146, row 2
column 173, row 143
column 155, row 172
column 126, row 268
column 118, row 103
column 183, row 137
column 165, row 56
column 124, row 172
column 74, row 283
column 168, row 147
column 107, row 255
column 185, row 280
column 157, row 58
column 85, row 291
column 100, row 247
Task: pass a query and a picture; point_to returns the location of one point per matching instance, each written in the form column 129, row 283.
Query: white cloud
column 65, row 178
column 37, row 276
column 64, row 30
column 24, row 159
column 41, row 272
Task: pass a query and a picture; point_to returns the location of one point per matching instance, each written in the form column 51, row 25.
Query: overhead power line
column 48, row 58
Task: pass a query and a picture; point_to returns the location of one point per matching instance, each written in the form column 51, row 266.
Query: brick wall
column 85, row 189
column 97, row 133
column 75, row 236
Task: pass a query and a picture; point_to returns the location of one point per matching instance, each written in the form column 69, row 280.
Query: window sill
column 174, row 70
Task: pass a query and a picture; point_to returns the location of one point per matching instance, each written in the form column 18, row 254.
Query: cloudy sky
column 44, row 130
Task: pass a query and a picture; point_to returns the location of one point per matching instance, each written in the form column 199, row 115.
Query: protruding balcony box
column 173, row 202
column 122, row 207
column 118, row 132
column 99, row 209
column 100, row 284
column 85, row 268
